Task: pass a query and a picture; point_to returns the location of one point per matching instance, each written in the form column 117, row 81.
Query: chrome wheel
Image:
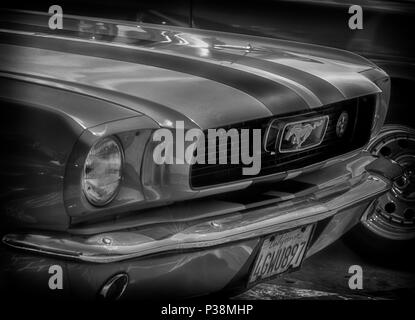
column 392, row 216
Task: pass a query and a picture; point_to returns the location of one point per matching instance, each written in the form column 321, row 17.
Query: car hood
column 208, row 79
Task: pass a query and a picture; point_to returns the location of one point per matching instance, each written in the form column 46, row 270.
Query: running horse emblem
column 299, row 133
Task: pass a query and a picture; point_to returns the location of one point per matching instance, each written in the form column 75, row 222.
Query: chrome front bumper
column 342, row 187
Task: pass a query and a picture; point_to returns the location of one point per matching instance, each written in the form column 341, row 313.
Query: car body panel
column 383, row 39
column 281, row 76
column 40, row 128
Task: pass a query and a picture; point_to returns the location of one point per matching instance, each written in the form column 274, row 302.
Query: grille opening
column 360, row 111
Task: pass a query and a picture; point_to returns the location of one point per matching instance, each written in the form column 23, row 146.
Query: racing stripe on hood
column 278, row 94
column 315, row 90
column 325, row 91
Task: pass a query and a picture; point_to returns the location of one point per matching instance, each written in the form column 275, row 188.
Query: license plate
column 280, row 253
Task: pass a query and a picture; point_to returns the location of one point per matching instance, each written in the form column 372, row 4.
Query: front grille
column 360, row 112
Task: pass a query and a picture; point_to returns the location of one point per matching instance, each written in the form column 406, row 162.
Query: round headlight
column 102, row 171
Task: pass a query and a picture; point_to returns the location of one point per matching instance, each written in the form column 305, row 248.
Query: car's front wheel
column 387, row 228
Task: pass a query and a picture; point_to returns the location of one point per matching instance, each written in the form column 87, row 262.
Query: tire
column 386, row 232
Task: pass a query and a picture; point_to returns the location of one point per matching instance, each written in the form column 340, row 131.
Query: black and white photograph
column 188, row 151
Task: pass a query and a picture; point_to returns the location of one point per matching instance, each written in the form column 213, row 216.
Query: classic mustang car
column 81, row 192
column 387, row 232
